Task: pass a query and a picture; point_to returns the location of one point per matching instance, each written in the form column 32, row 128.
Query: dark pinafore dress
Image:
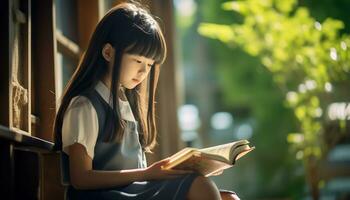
column 125, row 155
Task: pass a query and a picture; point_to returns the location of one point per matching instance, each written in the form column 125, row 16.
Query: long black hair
column 129, row 29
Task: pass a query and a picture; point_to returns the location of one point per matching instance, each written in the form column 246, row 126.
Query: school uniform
column 85, row 122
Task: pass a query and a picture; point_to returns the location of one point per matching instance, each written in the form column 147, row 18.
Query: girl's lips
column 135, row 80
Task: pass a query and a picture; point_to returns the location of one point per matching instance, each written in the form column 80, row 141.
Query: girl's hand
column 155, row 171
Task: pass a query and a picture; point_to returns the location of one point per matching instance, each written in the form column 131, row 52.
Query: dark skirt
column 176, row 188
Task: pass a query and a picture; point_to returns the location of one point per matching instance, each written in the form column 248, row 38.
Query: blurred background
column 274, row 72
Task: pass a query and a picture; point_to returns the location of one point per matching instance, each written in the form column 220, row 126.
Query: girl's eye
column 139, row 61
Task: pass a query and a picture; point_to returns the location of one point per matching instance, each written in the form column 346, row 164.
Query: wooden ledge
column 33, row 143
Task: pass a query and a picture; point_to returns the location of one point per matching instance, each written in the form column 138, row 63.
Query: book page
column 181, row 156
column 239, row 152
column 202, row 165
column 224, row 150
column 181, row 153
column 207, row 161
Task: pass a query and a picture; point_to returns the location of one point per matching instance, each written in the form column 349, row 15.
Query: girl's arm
column 84, row 177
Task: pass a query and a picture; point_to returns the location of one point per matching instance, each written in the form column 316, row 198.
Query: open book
column 209, row 161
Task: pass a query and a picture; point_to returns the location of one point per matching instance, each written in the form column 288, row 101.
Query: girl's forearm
column 96, row 179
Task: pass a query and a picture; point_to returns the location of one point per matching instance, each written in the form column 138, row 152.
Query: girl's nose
column 143, row 68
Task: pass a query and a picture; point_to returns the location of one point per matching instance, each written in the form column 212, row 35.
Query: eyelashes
column 139, row 61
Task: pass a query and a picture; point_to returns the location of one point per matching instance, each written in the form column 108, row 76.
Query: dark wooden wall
column 29, row 82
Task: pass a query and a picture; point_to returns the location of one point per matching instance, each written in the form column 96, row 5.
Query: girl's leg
column 228, row 195
column 203, row 188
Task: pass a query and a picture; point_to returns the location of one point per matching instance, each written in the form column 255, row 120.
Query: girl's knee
column 228, row 195
column 201, row 180
column 200, row 184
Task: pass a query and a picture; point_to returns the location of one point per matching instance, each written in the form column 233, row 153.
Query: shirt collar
column 105, row 93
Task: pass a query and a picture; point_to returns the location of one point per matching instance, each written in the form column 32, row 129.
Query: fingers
column 163, row 162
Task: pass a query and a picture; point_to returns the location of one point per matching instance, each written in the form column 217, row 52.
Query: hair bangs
column 150, row 45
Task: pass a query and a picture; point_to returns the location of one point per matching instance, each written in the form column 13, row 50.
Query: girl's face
column 134, row 69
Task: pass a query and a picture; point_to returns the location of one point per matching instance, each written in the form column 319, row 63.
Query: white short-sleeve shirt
column 80, row 122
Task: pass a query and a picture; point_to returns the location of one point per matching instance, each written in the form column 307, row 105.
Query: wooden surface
column 167, row 93
column 43, row 55
column 4, row 63
column 28, row 158
column 24, row 166
column 24, row 140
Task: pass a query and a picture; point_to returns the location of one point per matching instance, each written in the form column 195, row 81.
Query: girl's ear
column 108, row 52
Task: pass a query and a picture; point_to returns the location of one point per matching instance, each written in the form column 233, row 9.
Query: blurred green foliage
column 246, row 89
column 304, row 60
column 304, row 55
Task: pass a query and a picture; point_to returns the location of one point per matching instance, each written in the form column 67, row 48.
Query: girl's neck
column 121, row 89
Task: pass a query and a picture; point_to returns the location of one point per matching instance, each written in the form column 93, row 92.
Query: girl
column 106, row 123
